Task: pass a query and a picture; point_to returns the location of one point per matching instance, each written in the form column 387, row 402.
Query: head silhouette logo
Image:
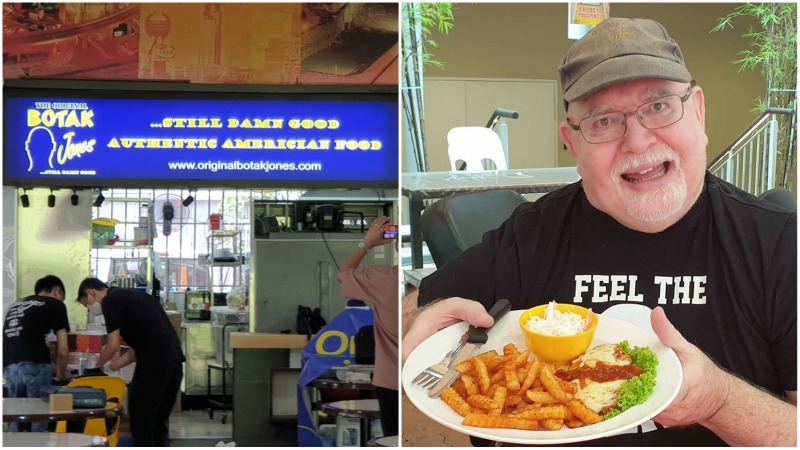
column 40, row 140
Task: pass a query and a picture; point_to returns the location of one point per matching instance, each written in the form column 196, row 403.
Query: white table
column 388, row 441
column 414, row 276
column 38, row 410
column 428, row 185
column 53, row 440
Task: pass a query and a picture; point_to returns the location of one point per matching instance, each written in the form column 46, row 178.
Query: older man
column 648, row 225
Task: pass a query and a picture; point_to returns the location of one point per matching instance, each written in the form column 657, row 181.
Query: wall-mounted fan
column 169, row 214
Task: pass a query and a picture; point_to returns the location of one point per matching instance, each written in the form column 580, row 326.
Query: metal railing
column 750, row 162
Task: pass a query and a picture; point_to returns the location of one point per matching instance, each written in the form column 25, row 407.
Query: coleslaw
column 556, row 323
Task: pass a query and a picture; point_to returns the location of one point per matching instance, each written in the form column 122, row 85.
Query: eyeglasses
column 611, row 126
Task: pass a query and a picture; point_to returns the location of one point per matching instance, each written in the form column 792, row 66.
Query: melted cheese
column 597, row 396
column 607, row 353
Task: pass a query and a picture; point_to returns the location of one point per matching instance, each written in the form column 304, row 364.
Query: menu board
column 82, row 137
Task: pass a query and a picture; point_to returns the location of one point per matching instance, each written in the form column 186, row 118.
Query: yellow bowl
column 558, row 350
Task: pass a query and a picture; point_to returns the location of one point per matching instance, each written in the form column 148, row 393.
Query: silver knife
column 475, row 340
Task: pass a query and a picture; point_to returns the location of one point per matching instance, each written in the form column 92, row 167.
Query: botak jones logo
column 41, row 145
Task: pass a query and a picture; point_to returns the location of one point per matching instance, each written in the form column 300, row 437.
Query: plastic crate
column 220, row 315
column 103, row 231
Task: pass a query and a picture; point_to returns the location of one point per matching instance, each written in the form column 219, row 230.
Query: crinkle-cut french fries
column 552, row 385
column 513, row 391
column 584, row 413
column 512, row 400
column 482, row 402
column 469, row 383
column 454, row 400
column 459, row 386
column 500, row 398
column 540, row 397
column 545, row 412
column 530, row 377
column 574, row 423
column 483, row 375
column 553, row 424
column 491, row 359
column 486, row 421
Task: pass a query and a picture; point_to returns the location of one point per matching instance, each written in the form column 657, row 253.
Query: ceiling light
column 188, row 200
column 99, row 200
column 24, row 198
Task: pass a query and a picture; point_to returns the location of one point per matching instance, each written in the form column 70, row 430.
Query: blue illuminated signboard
column 97, row 138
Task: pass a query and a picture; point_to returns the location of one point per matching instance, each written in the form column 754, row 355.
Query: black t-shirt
column 143, row 325
column 28, row 321
column 725, row 274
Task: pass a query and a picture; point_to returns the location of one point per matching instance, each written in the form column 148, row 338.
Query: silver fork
column 429, row 376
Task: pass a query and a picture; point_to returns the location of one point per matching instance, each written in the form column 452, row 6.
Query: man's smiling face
column 649, row 178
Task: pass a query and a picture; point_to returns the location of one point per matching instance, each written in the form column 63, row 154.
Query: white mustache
column 652, row 158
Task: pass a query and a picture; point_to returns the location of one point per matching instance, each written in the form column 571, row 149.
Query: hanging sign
column 582, row 16
column 94, row 138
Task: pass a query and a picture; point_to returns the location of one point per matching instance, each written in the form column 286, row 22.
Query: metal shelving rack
column 220, row 270
column 125, row 250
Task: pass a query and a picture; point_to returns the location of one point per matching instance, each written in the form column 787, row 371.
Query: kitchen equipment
column 329, row 217
column 300, row 269
column 343, row 213
column 475, row 340
column 197, row 305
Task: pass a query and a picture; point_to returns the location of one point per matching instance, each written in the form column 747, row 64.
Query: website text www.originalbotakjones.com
column 263, row 166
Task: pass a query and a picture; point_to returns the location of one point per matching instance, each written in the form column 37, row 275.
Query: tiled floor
column 195, row 424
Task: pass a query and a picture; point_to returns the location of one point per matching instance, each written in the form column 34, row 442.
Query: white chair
column 473, row 145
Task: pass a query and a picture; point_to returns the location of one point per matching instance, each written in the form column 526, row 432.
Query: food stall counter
column 256, row 357
column 268, row 340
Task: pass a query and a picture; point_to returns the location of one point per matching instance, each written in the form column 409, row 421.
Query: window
column 179, row 248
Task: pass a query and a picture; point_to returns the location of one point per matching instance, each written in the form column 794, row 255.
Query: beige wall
column 527, row 41
column 55, row 241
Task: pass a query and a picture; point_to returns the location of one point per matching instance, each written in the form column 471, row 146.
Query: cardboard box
column 60, row 402
column 175, row 318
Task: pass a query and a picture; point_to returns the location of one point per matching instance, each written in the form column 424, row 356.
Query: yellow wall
column 55, row 241
column 515, row 40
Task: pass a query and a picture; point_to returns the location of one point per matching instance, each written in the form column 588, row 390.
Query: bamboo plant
column 774, row 52
column 419, row 20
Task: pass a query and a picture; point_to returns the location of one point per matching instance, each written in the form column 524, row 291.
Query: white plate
column 668, row 381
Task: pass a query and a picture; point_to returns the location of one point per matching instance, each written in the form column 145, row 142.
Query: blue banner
column 50, row 141
column 331, row 347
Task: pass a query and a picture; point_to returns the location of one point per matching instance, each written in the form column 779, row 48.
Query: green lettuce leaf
column 637, row 389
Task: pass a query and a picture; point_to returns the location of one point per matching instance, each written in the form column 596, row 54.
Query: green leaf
column 636, row 390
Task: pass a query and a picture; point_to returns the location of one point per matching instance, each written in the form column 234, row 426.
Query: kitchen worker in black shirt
column 139, row 319
column 26, row 356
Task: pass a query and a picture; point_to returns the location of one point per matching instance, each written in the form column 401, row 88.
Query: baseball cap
column 620, row 49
